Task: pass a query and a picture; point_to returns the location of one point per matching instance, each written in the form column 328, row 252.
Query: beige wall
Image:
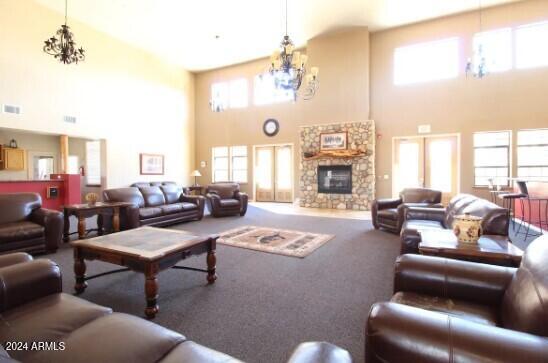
column 343, row 58
column 135, row 101
column 504, row 101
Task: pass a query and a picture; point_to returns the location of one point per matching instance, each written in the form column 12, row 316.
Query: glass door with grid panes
column 426, row 162
column 273, row 172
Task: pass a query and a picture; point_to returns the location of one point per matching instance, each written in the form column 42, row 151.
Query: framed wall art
column 151, row 164
column 334, row 141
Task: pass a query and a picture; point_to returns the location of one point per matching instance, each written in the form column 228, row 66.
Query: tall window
column 230, row 164
column 425, row 62
column 73, row 164
column 492, row 157
column 496, row 48
column 93, row 163
column 233, row 94
column 533, row 154
column 265, row 91
column 531, row 45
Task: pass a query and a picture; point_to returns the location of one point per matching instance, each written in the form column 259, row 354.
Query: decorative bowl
column 91, row 198
column 467, row 228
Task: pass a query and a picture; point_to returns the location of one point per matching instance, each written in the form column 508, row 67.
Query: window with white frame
column 93, row 163
column 265, row 91
column 233, row 94
column 531, row 45
column 426, row 62
column 492, row 158
column 230, row 164
column 495, row 46
column 533, row 154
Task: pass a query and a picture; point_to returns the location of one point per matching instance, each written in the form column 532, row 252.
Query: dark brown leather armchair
column 225, row 199
column 494, row 219
column 26, row 226
column 389, row 214
column 34, row 309
column 447, row 310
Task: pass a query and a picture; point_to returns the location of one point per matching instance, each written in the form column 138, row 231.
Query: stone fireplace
column 341, row 180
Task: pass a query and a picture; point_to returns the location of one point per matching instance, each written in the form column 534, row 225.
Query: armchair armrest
column 14, row 258
column 24, row 282
column 243, row 198
column 387, row 203
column 400, row 333
column 432, row 214
column 452, row 279
column 53, row 223
column 319, row 352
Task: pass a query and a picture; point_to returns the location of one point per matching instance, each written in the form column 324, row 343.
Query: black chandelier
column 63, row 47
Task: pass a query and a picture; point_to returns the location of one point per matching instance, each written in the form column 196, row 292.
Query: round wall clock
column 271, row 127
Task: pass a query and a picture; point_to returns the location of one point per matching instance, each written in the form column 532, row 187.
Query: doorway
column 273, row 173
column 428, row 162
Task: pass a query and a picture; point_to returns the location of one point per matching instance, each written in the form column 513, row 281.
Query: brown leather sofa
column 389, row 214
column 26, row 226
column 156, row 205
column 225, row 199
column 447, row 310
column 35, row 310
column 495, row 219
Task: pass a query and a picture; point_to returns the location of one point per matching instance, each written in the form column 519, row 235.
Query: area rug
column 279, row 241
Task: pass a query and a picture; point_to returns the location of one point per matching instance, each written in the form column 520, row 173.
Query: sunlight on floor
column 294, row 209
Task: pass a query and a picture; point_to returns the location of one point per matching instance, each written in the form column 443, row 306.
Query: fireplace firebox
column 335, row 179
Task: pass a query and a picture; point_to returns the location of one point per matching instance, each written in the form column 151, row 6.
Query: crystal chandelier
column 288, row 68
column 62, row 46
column 478, row 70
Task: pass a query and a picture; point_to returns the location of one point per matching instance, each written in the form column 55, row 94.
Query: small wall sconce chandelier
column 478, row 70
column 62, row 46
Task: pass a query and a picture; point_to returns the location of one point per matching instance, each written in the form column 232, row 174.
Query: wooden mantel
column 336, row 154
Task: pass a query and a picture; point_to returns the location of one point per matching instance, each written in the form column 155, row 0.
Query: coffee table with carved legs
column 147, row 250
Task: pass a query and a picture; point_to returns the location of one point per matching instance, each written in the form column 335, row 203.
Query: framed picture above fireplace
column 334, row 141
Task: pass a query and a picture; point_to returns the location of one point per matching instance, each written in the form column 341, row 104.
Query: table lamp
column 195, row 174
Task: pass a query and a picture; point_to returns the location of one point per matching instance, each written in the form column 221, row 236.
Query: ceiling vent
column 11, row 109
column 70, row 119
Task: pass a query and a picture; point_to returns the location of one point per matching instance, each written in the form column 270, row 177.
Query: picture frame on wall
column 334, row 141
column 151, row 164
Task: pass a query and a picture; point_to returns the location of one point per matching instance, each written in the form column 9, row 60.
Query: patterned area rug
column 280, row 241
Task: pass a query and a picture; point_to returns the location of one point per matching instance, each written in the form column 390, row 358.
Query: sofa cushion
column 229, row 202
column 172, row 193
column 145, row 213
column 188, row 206
column 17, row 207
column 115, row 338
column 190, row 352
column 420, row 224
column 478, row 313
column 391, row 214
column 19, row 231
column 50, row 318
column 128, row 195
column 171, row 208
column 153, row 196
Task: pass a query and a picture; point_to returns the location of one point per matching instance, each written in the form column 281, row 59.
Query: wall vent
column 70, row 119
column 11, row 109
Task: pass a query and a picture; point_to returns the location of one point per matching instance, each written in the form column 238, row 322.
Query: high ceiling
column 184, row 31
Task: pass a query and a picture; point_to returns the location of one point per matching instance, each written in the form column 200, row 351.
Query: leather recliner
column 448, row 310
column 389, row 214
column 225, row 199
column 34, row 310
column 156, row 205
column 495, row 219
column 26, row 226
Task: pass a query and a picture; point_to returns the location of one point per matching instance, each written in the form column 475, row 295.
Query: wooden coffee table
column 83, row 211
column 491, row 249
column 147, row 250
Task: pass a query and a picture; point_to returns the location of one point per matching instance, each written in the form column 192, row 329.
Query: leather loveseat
column 35, row 311
column 447, row 310
column 495, row 219
column 26, row 226
column 225, row 199
column 389, row 214
column 156, row 205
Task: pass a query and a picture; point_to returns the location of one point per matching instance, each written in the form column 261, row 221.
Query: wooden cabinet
column 13, row 159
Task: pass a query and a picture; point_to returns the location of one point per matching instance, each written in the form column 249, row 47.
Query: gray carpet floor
column 262, row 304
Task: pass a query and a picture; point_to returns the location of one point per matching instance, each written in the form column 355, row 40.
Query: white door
column 273, row 172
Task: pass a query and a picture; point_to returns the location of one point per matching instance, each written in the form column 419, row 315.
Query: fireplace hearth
column 335, row 179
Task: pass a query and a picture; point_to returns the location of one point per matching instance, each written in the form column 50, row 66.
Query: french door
column 428, row 162
column 273, row 171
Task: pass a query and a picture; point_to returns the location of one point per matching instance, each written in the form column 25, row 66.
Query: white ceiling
column 183, row 31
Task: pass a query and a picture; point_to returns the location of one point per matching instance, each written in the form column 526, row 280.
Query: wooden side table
column 196, row 189
column 490, row 249
column 83, row 211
